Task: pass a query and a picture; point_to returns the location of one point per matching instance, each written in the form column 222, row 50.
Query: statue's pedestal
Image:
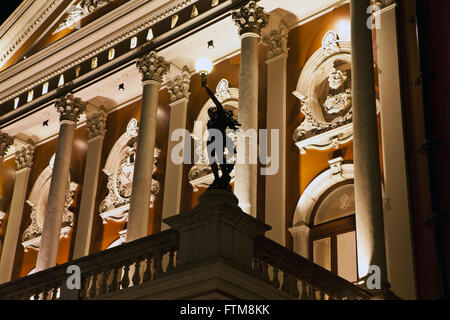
column 216, row 227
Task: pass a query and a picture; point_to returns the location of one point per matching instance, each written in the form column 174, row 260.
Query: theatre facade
column 91, row 175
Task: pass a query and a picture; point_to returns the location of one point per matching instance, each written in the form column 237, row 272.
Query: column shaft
column 368, row 199
column 246, row 174
column 276, row 120
column 138, row 216
column 397, row 218
column 56, row 198
column 13, row 227
column 174, row 172
column 87, row 205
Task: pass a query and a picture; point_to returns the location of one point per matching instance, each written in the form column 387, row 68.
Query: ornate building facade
column 91, row 93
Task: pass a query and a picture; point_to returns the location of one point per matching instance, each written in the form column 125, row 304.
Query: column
column 96, row 125
column 368, row 199
column 70, row 109
column 24, row 160
column 400, row 256
column 153, row 68
column 5, row 142
column 276, row 120
column 250, row 19
column 179, row 97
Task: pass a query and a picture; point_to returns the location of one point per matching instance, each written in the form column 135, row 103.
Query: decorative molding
column 96, row 124
column 250, row 18
column 5, row 143
column 324, row 90
column 31, row 238
column 24, row 157
column 81, row 11
column 119, row 168
column 70, row 108
column 317, row 188
column 385, row 3
column 91, row 51
column 152, row 67
column 22, row 37
column 179, row 87
column 200, row 175
column 276, row 41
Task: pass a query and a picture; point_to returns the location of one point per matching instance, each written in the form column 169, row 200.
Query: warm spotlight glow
column 203, row 65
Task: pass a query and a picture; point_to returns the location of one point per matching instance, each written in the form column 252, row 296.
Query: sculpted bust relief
column 339, row 97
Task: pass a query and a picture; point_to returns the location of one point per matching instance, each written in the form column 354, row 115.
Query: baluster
column 265, row 270
column 158, row 264
column 322, row 295
column 126, row 279
column 85, row 286
column 93, row 290
column 137, row 272
column 55, row 291
column 36, row 294
column 276, row 281
column 171, row 264
column 45, row 293
column 285, row 286
column 255, row 266
column 104, row 283
column 148, row 269
column 114, row 282
column 304, row 295
column 294, row 288
column 313, row 293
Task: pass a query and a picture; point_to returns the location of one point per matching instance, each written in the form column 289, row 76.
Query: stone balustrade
column 299, row 277
column 108, row 271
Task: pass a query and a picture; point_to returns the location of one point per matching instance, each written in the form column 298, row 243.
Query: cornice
column 139, row 25
column 15, row 43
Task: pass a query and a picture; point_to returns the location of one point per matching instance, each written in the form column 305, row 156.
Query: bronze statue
column 221, row 120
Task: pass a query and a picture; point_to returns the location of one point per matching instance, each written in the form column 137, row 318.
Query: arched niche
column 200, row 175
column 31, row 238
column 335, row 182
column 119, row 168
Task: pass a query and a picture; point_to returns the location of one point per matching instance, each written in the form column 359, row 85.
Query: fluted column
column 153, row 68
column 70, row 109
column 179, row 97
column 5, row 142
column 250, row 19
column 96, row 125
column 24, row 160
column 368, row 198
column 275, row 205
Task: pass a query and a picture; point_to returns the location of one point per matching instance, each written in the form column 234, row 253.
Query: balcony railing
column 298, row 276
column 114, row 269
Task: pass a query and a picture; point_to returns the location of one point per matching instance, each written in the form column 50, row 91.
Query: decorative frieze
column 152, row 67
column 96, row 125
column 250, row 18
column 179, row 87
column 5, row 142
column 276, row 41
column 24, row 157
column 70, row 108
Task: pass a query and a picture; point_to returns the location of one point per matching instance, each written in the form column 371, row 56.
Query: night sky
column 7, row 8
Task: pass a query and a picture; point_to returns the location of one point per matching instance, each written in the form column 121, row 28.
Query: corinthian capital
column 152, row 67
column 24, row 157
column 250, row 18
column 276, row 41
column 70, row 108
column 179, row 87
column 96, row 124
column 5, row 142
